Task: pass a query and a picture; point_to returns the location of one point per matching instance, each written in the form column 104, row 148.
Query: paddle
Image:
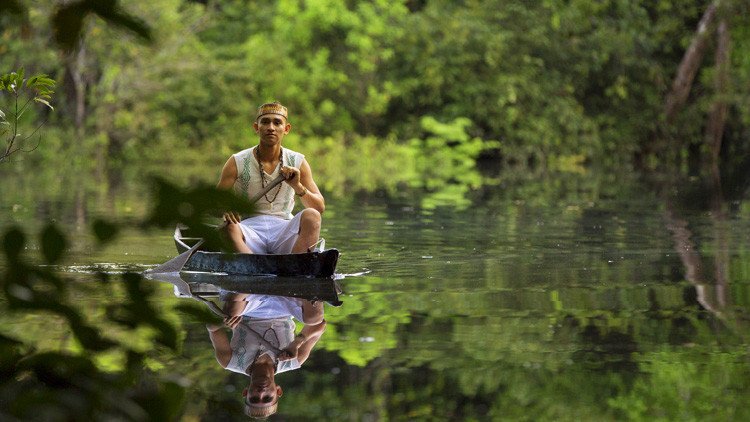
column 267, row 189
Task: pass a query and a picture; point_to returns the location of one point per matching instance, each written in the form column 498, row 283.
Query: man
column 273, row 229
column 263, row 343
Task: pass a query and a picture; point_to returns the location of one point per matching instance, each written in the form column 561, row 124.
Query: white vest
column 249, row 183
column 253, row 338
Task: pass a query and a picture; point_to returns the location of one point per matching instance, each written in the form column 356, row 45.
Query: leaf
column 12, row 7
column 67, row 23
column 104, row 230
column 112, row 13
column 13, row 243
column 197, row 313
column 39, row 100
column 91, row 338
column 41, row 82
column 2, row 115
column 53, row 243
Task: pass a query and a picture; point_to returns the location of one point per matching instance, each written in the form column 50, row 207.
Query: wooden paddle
column 267, row 189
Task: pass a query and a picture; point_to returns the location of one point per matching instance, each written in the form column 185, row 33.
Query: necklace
column 263, row 181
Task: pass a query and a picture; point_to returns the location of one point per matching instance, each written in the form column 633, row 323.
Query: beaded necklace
column 263, row 181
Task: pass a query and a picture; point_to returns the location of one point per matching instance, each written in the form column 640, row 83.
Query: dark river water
column 553, row 299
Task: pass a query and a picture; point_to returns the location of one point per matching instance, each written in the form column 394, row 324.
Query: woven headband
column 272, row 108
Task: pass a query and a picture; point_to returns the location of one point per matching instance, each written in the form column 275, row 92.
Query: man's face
column 262, row 394
column 271, row 128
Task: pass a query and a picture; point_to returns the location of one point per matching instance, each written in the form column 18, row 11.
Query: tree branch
column 689, row 65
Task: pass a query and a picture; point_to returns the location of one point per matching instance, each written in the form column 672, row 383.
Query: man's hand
column 232, row 217
column 290, row 352
column 229, row 322
column 291, row 174
column 232, row 322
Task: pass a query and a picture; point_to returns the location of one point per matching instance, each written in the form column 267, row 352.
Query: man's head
column 271, row 122
column 261, row 399
column 272, row 108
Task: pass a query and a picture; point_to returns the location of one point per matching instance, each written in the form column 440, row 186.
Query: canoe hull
column 312, row 264
column 318, row 264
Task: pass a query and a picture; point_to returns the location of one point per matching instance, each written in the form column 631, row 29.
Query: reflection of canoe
column 205, row 285
column 312, row 264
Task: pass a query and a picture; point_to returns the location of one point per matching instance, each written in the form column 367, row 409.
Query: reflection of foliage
column 687, row 385
column 519, row 330
column 365, row 328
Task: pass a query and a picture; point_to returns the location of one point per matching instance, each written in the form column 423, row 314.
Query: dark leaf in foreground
column 53, row 243
column 196, row 312
column 67, row 22
column 104, row 230
column 13, row 243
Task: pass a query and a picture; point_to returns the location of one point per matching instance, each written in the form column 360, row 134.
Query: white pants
column 267, row 234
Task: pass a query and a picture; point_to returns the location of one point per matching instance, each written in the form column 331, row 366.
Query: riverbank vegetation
column 388, row 98
column 540, row 84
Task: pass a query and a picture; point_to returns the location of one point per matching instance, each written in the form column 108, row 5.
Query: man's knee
column 310, row 219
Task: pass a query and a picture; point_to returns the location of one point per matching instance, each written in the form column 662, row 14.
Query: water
column 560, row 299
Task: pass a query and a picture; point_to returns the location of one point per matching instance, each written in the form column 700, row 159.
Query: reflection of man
column 263, row 343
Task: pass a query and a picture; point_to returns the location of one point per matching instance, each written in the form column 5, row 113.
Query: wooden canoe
column 202, row 285
column 317, row 264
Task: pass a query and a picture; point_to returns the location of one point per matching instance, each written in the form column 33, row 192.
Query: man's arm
column 313, row 198
column 226, row 182
column 228, row 175
column 303, row 342
column 220, row 341
column 312, row 334
column 235, row 304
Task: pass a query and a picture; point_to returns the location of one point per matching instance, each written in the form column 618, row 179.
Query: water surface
column 549, row 299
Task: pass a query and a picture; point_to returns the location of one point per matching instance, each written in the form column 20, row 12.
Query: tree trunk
column 718, row 115
column 79, row 85
column 689, row 65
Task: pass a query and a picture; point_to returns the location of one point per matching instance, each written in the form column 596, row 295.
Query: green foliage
column 446, row 161
column 24, row 93
column 561, row 84
column 77, row 383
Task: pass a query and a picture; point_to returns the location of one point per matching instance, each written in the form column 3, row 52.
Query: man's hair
column 272, row 108
column 257, row 412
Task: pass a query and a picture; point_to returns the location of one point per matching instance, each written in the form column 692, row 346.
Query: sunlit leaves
column 24, row 93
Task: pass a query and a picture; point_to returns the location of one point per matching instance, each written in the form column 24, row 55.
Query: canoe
column 202, row 285
column 317, row 264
